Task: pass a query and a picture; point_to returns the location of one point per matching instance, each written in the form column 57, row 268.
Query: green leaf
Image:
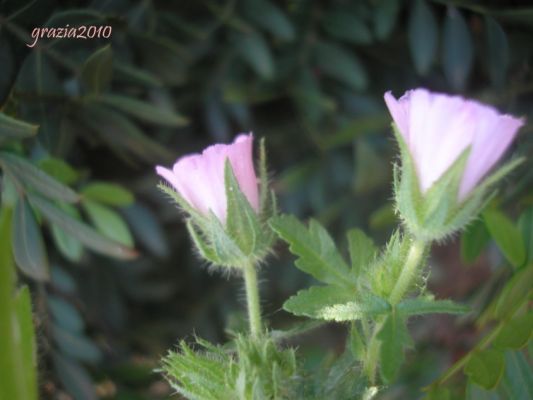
column 8, row 192
column 340, row 64
column 385, row 16
column 475, row 392
column 59, row 170
column 63, row 280
column 17, row 339
column 343, row 25
column 255, row 52
column 147, row 228
column 438, row 393
column 200, row 375
column 123, row 135
column 485, row 368
column 356, row 127
column 97, row 71
column 76, row 345
column 299, row 328
column 497, row 51
column 316, row 251
column 67, row 244
column 217, row 120
column 515, row 293
column 473, row 240
column 421, row 305
column 458, row 51
column 28, row 244
column 394, row 337
column 335, row 303
column 516, row 333
column 74, row 377
column 11, row 128
column 517, row 382
column 85, row 234
column 506, row 235
column 33, row 177
column 26, row 340
column 525, row 224
column 270, row 17
column 133, row 74
column 108, row 193
column 37, row 75
column 382, row 217
column 423, row 33
column 362, row 249
column 17, row 380
column 162, row 57
column 368, row 159
column 142, row 110
column 7, row 60
column 65, row 314
column 309, row 99
column 108, row 222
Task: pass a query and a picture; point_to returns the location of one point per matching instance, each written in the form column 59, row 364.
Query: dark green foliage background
column 309, row 76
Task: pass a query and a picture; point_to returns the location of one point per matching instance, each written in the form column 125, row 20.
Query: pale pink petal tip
column 199, row 178
column 243, row 137
column 438, row 127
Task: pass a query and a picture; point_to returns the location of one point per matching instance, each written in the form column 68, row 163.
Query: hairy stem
column 252, row 299
column 404, row 282
column 372, row 352
column 409, row 271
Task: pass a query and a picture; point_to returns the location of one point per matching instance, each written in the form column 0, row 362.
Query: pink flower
column 199, row 178
column 437, row 128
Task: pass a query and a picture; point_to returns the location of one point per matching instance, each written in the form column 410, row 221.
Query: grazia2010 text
column 68, row 32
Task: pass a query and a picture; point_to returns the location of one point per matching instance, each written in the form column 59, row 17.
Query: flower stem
column 416, row 252
column 405, row 280
column 252, row 299
column 372, row 352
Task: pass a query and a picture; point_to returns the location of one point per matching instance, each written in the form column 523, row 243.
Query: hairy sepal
column 437, row 214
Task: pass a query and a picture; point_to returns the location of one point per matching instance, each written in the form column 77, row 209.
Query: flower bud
column 448, row 145
column 219, row 190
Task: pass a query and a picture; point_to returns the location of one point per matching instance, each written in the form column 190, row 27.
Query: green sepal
column 406, row 185
column 245, row 237
column 242, row 222
column 224, row 246
column 388, row 266
column 203, row 247
column 199, row 219
column 263, row 181
column 438, row 213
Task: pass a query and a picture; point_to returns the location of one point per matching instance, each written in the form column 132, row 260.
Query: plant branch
column 404, row 282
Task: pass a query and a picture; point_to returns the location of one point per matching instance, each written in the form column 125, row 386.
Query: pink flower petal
column 438, row 128
column 199, row 178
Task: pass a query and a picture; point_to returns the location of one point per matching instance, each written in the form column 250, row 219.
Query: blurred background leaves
column 106, row 257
